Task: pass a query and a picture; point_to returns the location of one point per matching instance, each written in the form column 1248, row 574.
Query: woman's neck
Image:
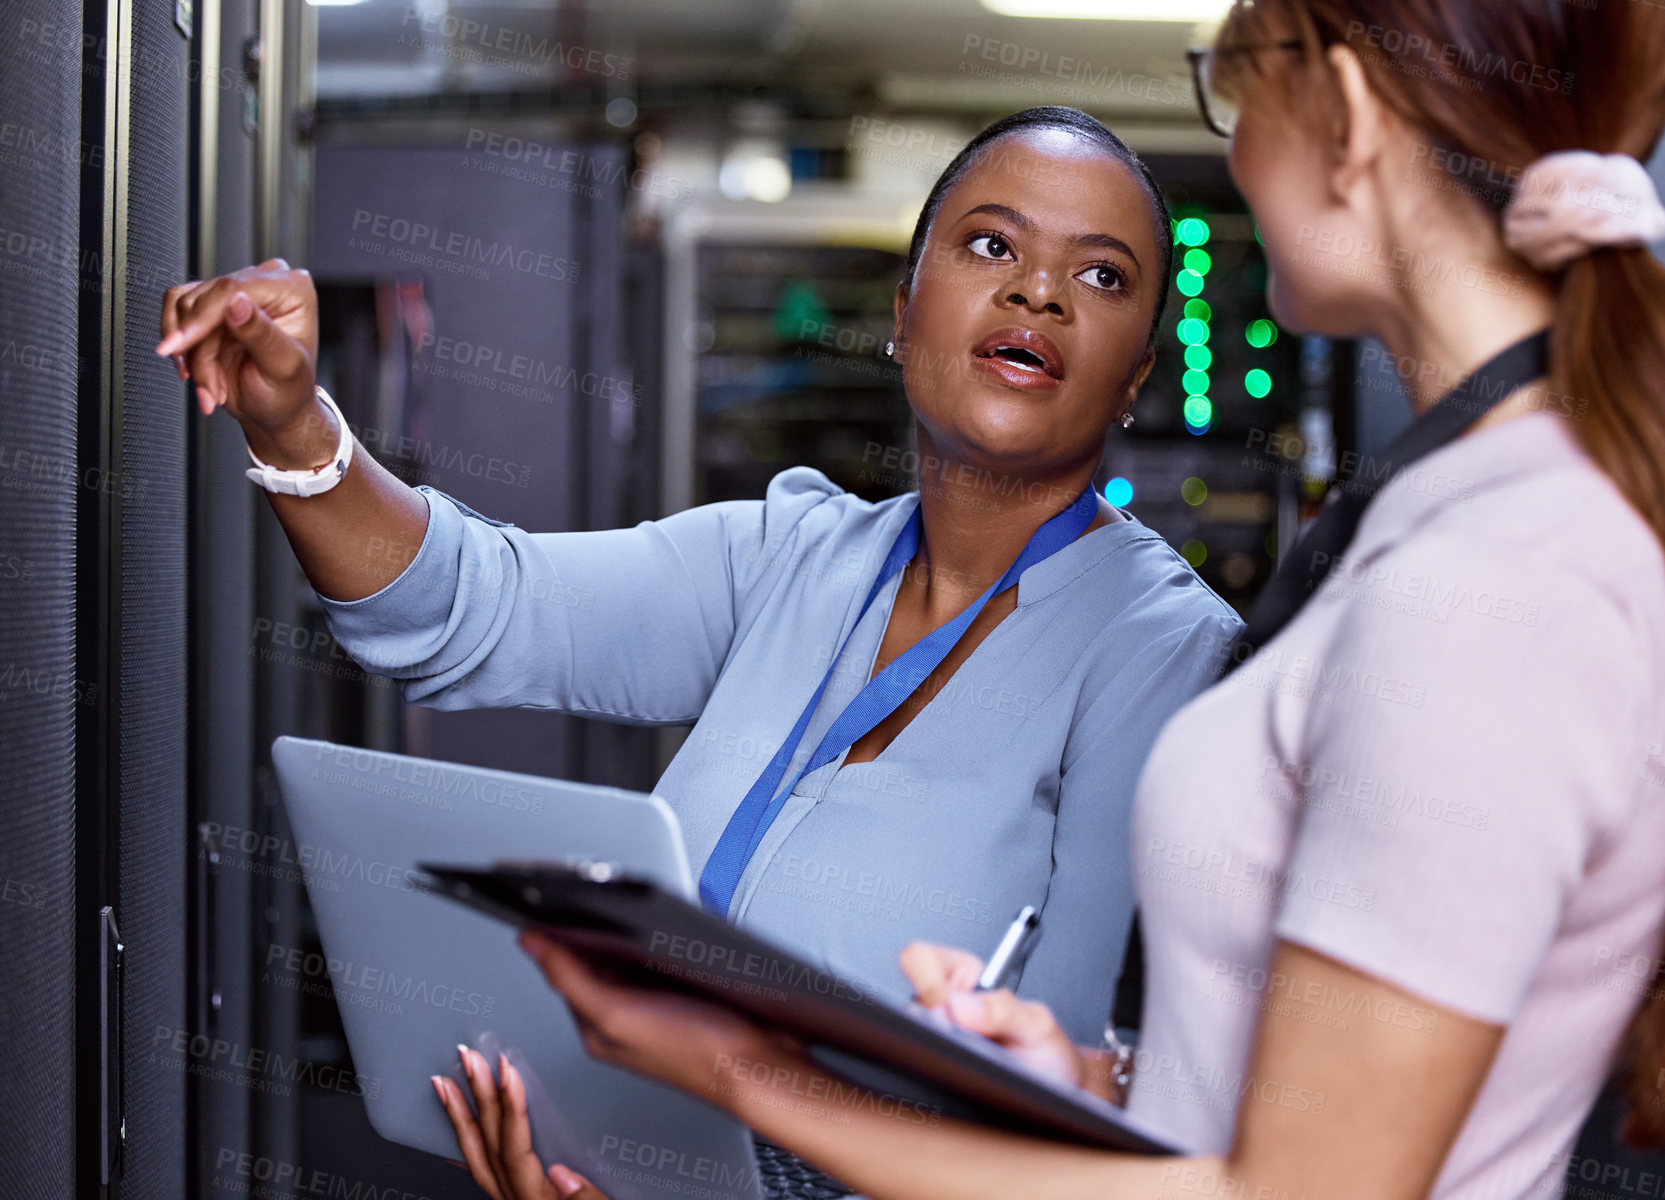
column 976, row 522
column 1441, row 334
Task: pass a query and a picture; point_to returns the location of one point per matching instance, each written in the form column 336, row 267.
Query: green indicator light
column 1257, row 382
column 1198, row 358
column 1193, row 332
column 1198, row 411
column 1198, row 309
column 1194, row 552
column 1198, row 261
column 1195, row 382
column 1189, row 282
column 1192, row 232
column 1261, row 333
column 1193, row 491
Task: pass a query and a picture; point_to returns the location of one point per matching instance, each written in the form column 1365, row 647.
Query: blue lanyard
column 882, row 696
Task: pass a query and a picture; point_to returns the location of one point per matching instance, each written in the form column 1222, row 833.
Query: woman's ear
column 1360, row 132
column 1141, row 372
column 899, row 311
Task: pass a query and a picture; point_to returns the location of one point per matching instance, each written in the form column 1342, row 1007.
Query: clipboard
column 644, row 935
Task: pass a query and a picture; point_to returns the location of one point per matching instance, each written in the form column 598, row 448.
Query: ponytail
column 1607, row 352
column 1608, row 355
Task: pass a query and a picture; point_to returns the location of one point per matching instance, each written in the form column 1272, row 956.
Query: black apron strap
column 1326, row 539
column 1128, row 1009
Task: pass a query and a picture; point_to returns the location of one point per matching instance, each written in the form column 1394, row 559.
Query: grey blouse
column 1012, row 786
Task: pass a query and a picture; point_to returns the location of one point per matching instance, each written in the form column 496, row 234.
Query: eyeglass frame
column 1197, row 56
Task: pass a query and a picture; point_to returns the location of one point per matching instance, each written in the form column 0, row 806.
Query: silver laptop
column 414, row 974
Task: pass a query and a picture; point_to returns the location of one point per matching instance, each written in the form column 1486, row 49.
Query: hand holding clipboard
column 632, row 931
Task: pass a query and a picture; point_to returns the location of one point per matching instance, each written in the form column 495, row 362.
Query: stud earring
column 1127, row 420
column 890, row 349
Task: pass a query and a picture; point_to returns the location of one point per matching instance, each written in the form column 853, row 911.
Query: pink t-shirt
column 1447, row 772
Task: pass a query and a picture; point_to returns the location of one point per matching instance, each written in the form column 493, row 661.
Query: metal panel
column 151, row 226
column 222, row 523
column 40, row 93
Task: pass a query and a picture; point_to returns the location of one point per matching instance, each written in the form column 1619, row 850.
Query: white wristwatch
column 317, row 480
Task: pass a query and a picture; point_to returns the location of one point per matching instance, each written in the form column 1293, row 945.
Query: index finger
column 170, row 305
column 206, row 311
column 520, row 1162
column 469, row 1140
column 936, row 971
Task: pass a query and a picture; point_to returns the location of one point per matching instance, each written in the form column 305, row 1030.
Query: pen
column 1013, row 949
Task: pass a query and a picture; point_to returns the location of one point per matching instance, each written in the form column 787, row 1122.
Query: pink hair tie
column 1568, row 203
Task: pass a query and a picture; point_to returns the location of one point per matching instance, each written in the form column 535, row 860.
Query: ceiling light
column 768, row 179
column 1114, row 10
column 752, row 173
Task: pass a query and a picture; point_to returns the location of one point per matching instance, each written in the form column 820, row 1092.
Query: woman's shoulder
column 809, row 527
column 809, row 487
column 1537, row 581
column 803, row 505
column 1141, row 620
column 1535, row 514
column 1151, row 635
column 1130, row 573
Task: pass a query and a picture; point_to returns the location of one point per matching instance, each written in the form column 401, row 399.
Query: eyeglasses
column 1219, row 113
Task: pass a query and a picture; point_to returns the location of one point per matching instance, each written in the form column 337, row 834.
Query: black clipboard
column 637, row 932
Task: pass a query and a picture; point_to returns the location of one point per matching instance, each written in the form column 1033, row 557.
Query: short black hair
column 1070, row 120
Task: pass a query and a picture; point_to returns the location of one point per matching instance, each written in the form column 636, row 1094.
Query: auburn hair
column 1494, row 85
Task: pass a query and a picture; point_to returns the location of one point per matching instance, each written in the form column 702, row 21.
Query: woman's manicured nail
column 462, row 1053
column 240, row 308
column 439, row 1087
column 966, row 1007
column 565, row 1182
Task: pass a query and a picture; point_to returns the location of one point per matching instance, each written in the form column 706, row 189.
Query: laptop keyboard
column 785, row 1176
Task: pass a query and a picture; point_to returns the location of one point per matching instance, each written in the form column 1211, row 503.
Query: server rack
column 126, row 711
column 43, row 692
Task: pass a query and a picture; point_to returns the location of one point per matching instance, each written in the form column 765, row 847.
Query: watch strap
column 308, row 482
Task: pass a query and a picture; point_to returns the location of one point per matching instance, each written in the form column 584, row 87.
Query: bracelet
column 1122, row 1075
column 316, row 480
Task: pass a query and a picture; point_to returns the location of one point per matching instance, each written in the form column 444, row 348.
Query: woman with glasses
column 1403, row 914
